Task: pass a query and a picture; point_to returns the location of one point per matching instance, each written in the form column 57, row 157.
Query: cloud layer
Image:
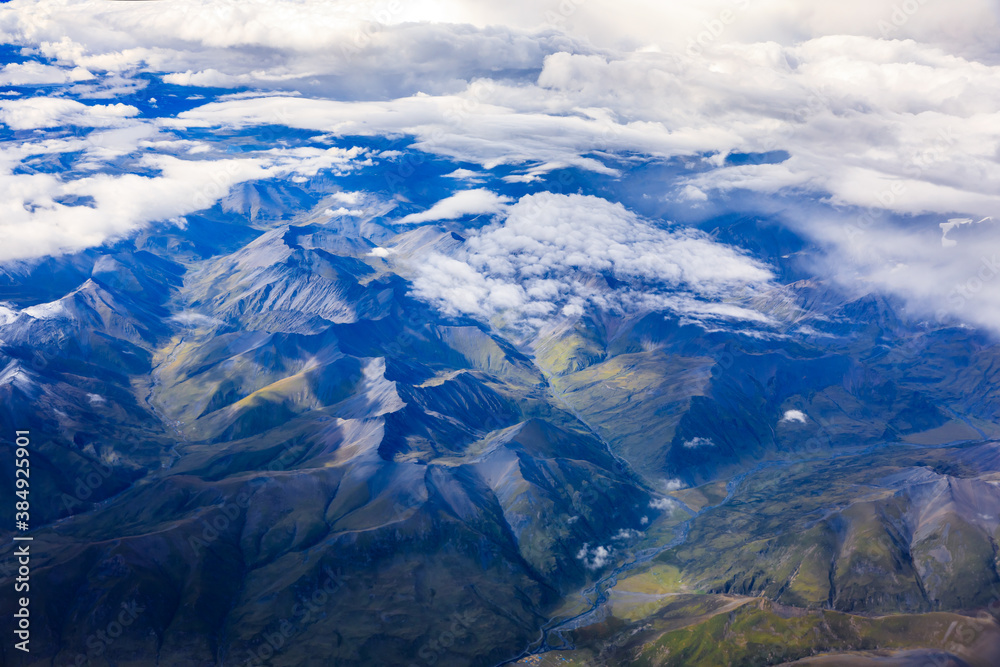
column 41, row 213
column 44, row 112
column 865, row 122
column 874, row 115
column 460, row 204
column 563, row 254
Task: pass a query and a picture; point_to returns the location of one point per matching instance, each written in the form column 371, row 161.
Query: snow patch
column 15, row 375
column 7, row 315
column 45, row 311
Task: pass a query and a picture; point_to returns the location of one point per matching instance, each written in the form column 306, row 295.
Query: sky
column 874, row 128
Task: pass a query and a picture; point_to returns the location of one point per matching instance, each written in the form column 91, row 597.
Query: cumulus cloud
column 913, row 124
column 465, row 175
column 626, row 534
column 358, row 48
column 596, row 558
column 461, row 204
column 34, row 220
column 33, row 73
column 41, row 112
column 559, row 254
column 349, row 198
column 695, row 443
column 967, row 28
column 422, row 44
column 664, row 504
column 794, row 416
column 468, row 126
column 672, row 484
column 342, row 211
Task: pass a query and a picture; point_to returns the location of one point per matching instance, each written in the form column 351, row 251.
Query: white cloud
column 968, row 27
column 193, row 319
column 349, row 198
column 944, row 272
column 465, row 175
column 296, row 39
column 40, row 112
column 953, row 224
column 562, row 253
column 664, row 504
column 467, row 126
column 596, row 558
column 460, row 204
column 695, row 443
column 356, row 48
column 913, row 125
column 626, row 534
column 693, row 194
column 33, row 73
column 794, row 416
column 341, row 212
column 673, row 484
column 33, row 222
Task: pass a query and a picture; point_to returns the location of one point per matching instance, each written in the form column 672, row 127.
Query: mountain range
column 251, row 429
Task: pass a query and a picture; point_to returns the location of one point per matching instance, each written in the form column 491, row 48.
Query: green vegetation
column 712, row 631
column 761, row 633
